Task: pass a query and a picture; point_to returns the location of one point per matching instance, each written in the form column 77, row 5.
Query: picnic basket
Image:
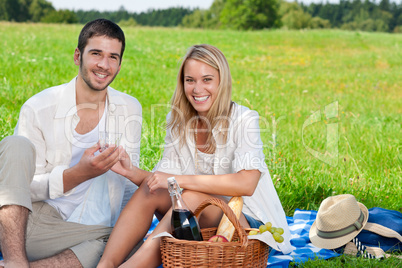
column 240, row 252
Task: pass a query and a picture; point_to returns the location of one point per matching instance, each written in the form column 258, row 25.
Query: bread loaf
column 225, row 227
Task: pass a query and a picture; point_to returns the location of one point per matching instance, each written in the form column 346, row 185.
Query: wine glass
column 107, row 138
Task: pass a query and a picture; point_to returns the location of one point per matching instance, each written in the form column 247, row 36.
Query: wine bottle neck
column 175, row 193
column 178, row 203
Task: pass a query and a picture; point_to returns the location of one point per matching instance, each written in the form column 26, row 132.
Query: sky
column 138, row 6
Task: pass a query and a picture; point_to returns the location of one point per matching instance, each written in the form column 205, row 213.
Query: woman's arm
column 242, row 183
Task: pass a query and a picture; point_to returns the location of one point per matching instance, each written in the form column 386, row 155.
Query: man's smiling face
column 99, row 62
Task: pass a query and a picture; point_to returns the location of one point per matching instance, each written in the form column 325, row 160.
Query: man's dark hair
column 101, row 27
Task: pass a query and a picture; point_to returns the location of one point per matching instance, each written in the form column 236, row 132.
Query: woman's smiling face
column 201, row 83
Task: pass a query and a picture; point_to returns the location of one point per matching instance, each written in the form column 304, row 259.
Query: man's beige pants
column 47, row 233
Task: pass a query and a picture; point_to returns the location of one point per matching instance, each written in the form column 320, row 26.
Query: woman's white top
column 205, row 163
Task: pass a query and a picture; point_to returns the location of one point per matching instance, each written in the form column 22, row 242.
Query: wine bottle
column 184, row 223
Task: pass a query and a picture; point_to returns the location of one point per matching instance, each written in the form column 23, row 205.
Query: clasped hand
column 158, row 180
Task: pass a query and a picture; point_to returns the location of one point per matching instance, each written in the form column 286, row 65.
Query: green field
column 330, row 101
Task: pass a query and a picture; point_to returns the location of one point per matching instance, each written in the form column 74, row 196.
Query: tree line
column 34, row 11
column 386, row 16
column 365, row 15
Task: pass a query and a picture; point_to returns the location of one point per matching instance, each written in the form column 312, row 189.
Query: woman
column 213, row 148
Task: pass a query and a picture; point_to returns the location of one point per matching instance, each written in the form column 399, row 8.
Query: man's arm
column 53, row 176
column 29, row 126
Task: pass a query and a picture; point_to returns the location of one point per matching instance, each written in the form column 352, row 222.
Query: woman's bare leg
column 133, row 224
column 149, row 255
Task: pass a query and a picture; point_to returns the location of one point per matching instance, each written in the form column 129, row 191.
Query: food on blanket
column 276, row 236
column 225, row 227
column 218, row 238
column 279, row 230
column 253, row 232
column 276, row 232
column 262, row 228
column 280, row 239
column 268, row 225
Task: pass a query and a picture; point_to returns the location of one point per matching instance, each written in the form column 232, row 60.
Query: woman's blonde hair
column 183, row 114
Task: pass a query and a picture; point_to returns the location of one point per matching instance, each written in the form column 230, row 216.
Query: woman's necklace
column 196, row 164
column 200, row 162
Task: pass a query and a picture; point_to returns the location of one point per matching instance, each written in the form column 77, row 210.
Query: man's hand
column 90, row 166
column 93, row 165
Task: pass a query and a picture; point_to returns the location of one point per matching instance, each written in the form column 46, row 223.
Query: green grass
column 287, row 76
column 346, row 261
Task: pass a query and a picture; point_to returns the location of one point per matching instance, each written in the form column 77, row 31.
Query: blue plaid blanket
column 299, row 226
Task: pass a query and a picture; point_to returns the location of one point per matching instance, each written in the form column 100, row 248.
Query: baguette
column 225, row 227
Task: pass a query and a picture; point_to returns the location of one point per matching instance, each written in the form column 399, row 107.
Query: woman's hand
column 124, row 165
column 158, row 180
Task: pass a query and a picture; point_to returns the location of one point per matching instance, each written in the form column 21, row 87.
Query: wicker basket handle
column 229, row 213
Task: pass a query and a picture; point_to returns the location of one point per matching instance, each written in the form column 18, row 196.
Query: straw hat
column 339, row 219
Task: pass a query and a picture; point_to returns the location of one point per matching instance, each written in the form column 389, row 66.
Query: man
column 75, row 199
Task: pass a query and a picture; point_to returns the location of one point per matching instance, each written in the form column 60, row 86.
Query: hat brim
column 331, row 243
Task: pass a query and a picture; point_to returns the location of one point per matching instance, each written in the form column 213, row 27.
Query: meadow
column 330, row 101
